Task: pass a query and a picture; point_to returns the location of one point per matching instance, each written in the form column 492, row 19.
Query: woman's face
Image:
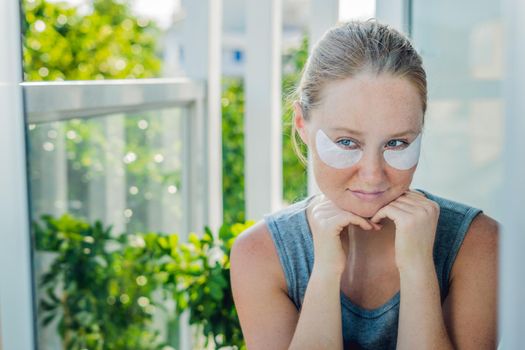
column 372, row 113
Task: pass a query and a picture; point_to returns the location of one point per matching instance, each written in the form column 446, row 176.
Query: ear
column 300, row 122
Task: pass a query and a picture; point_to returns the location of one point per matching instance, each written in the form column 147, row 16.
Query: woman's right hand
column 328, row 223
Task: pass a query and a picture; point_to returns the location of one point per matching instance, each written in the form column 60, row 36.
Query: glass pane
column 124, row 170
column 461, row 44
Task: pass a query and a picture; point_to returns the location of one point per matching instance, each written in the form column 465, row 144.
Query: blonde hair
column 353, row 48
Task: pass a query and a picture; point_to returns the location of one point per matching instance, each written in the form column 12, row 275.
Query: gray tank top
column 363, row 328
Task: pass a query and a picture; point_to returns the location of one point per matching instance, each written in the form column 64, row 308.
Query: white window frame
column 512, row 238
column 16, row 290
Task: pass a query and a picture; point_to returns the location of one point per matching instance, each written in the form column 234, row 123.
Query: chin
column 365, row 210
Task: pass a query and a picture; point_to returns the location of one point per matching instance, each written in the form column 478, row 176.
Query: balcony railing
column 130, row 153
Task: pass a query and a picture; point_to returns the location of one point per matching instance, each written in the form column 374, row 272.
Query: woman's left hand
column 415, row 218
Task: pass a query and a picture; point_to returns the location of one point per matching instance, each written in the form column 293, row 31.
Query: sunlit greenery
column 111, row 285
column 102, row 41
column 294, row 172
column 233, row 150
column 108, row 42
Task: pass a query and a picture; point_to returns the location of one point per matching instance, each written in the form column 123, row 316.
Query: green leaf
column 48, row 319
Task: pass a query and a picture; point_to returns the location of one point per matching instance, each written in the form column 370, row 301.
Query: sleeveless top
column 363, row 328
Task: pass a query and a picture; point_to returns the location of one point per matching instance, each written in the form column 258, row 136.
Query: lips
column 366, row 195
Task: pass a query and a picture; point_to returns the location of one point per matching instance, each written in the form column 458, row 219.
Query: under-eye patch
column 406, row 158
column 333, row 155
column 336, row 157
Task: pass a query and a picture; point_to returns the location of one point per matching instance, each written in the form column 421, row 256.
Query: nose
column 371, row 168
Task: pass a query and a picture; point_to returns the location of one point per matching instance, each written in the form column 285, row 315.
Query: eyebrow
column 359, row 133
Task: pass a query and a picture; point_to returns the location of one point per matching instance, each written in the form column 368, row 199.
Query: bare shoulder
column 254, row 250
column 483, row 229
column 266, row 314
column 480, row 244
column 255, row 240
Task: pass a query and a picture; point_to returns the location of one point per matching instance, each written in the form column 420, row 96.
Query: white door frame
column 512, row 239
column 16, row 301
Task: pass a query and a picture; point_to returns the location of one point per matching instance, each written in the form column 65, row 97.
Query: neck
column 370, row 254
column 371, row 244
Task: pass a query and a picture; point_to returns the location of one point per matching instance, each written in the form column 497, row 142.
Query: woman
column 369, row 263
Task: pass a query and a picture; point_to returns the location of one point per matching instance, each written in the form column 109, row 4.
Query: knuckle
column 434, row 207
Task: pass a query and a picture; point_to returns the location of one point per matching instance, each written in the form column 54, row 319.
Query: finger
column 364, row 223
column 360, row 221
column 425, row 203
column 314, row 201
column 351, row 218
column 413, row 199
column 377, row 226
column 407, row 207
column 389, row 212
column 328, row 209
column 416, row 192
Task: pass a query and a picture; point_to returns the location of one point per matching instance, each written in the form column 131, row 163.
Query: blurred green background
column 110, row 282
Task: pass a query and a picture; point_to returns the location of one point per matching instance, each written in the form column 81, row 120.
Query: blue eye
column 347, row 144
column 397, row 144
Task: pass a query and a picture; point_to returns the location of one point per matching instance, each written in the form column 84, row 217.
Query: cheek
column 400, row 180
column 326, row 176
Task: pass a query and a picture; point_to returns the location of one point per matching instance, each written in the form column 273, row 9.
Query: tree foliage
column 107, row 42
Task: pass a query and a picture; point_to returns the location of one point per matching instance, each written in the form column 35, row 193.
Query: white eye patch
column 406, row 158
column 336, row 157
column 333, row 155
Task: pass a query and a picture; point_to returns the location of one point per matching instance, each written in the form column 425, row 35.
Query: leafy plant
column 204, row 285
column 104, row 289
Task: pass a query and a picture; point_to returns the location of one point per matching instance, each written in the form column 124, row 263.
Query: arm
column 470, row 309
column 268, row 317
column 421, row 324
column 468, row 319
column 320, row 325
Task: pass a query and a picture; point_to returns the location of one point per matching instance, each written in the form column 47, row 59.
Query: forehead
column 370, row 103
